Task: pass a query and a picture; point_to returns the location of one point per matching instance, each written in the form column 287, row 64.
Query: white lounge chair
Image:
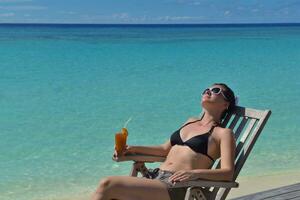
column 246, row 124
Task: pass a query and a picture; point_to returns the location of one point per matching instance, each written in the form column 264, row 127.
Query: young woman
column 190, row 153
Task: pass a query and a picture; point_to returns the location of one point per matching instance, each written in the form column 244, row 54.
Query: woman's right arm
column 159, row 150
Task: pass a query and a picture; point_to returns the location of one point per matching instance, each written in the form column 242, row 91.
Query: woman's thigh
column 135, row 188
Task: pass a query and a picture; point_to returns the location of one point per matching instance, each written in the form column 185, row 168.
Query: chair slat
column 249, row 112
column 234, row 121
column 226, row 120
column 240, row 127
column 245, row 135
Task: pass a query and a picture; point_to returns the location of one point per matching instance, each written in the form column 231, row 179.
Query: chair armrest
column 139, row 158
column 207, row 183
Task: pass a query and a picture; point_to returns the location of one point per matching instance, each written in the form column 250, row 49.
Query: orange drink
column 125, row 132
column 120, row 140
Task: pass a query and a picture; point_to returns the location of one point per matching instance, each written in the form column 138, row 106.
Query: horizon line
column 160, row 24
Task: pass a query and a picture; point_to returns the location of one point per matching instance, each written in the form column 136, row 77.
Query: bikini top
column 198, row 143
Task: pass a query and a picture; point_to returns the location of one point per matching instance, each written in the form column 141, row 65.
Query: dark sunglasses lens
column 216, row 90
column 205, row 91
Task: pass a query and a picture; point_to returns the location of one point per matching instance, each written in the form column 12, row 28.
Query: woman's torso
column 183, row 157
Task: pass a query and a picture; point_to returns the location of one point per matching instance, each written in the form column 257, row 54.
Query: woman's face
column 214, row 97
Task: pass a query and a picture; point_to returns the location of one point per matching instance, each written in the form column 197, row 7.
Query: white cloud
column 67, row 12
column 128, row 18
column 177, row 18
column 87, row 18
column 22, row 8
column 196, row 3
column 7, row 14
column 227, row 12
column 121, row 16
column 188, row 2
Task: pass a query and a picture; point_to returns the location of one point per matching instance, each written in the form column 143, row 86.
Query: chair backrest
column 247, row 125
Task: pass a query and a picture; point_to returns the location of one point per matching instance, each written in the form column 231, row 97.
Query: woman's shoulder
column 221, row 132
column 192, row 119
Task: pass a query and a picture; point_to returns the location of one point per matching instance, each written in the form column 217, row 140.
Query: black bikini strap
column 210, row 132
column 212, row 129
column 210, row 157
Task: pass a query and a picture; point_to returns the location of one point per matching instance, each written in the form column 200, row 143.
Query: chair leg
column 139, row 167
column 194, row 193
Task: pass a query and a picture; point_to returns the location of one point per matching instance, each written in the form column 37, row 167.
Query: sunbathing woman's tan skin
column 180, row 159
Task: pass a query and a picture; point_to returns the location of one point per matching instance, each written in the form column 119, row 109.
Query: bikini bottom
column 163, row 176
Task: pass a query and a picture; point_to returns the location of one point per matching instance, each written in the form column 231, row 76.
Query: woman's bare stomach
column 184, row 158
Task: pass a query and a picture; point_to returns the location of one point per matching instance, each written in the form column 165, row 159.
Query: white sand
column 249, row 185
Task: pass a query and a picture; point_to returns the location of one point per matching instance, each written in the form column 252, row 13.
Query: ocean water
column 66, row 89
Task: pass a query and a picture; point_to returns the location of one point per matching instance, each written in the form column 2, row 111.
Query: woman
column 190, row 153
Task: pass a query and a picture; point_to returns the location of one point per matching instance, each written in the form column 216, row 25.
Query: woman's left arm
column 225, row 173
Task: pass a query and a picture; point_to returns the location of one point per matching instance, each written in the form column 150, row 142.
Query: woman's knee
column 101, row 192
column 104, row 184
column 107, row 184
column 109, row 188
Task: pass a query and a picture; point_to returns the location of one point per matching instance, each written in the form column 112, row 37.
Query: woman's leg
column 131, row 188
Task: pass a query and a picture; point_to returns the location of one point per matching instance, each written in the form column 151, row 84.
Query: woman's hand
column 126, row 150
column 183, row 175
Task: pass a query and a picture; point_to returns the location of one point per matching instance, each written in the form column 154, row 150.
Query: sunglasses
column 216, row 91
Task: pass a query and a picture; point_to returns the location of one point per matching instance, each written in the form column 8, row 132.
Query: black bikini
column 198, row 143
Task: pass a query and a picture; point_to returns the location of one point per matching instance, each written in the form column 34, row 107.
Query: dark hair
column 229, row 94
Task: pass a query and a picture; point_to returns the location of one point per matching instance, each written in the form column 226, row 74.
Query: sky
column 149, row 11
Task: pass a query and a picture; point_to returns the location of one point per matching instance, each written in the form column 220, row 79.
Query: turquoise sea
column 66, row 89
